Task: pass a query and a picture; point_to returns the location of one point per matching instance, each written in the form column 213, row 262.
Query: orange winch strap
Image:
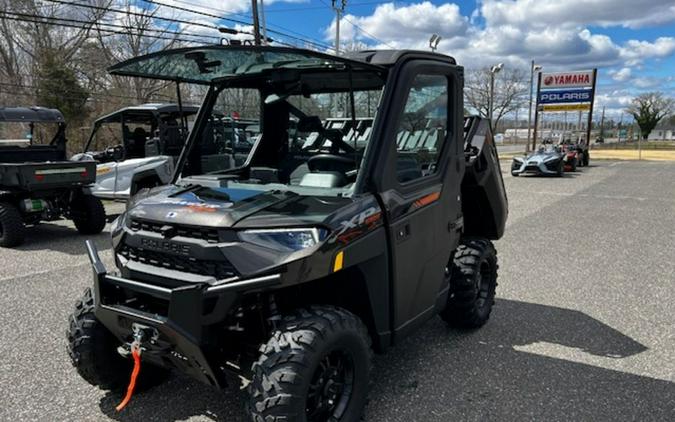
column 135, row 353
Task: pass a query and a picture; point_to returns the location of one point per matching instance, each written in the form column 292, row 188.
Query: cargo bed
column 42, row 176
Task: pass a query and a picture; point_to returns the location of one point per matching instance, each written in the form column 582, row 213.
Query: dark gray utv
column 289, row 270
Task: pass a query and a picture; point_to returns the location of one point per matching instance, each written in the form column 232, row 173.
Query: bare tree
column 510, row 87
column 648, row 109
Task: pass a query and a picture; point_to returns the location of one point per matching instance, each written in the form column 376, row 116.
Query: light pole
column 493, row 70
column 533, row 68
column 433, row 41
column 339, row 9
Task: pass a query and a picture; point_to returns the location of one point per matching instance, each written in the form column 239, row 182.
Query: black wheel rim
column 331, row 387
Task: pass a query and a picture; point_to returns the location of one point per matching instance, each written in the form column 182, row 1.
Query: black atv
column 37, row 183
column 289, row 270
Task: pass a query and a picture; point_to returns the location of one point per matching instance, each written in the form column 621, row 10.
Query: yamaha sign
column 579, row 79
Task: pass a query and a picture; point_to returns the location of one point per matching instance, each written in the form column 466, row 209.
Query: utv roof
column 387, row 58
column 144, row 110
column 213, row 63
column 30, row 114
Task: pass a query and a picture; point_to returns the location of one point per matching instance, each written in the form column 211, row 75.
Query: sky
column 631, row 42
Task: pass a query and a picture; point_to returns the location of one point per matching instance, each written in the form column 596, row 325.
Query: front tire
column 88, row 214
column 93, row 352
column 473, row 281
column 12, row 230
column 315, row 367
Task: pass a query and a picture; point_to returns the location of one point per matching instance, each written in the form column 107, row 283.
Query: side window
column 422, row 128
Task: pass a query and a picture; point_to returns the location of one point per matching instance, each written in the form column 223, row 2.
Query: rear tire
column 473, row 281
column 88, row 214
column 12, row 230
column 315, row 367
column 586, row 159
column 573, row 166
column 93, row 352
column 561, row 169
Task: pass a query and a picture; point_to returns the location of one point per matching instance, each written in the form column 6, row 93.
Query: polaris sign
column 565, row 96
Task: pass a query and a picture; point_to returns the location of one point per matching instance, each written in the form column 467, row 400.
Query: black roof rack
column 31, row 114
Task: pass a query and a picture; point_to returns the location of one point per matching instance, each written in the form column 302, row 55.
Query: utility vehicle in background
column 137, row 147
column 290, row 269
column 37, row 182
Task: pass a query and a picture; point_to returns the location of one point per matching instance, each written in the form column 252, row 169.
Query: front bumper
column 540, row 167
column 179, row 316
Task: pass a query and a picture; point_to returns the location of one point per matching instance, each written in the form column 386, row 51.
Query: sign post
column 536, row 114
column 590, row 112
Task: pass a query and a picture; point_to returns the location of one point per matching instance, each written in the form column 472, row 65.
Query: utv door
column 420, row 186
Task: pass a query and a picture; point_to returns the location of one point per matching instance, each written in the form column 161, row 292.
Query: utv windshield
column 312, row 129
column 208, row 64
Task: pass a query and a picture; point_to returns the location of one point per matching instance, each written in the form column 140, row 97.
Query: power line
column 112, row 25
column 368, row 34
column 211, row 15
column 90, row 27
column 132, row 13
column 301, row 36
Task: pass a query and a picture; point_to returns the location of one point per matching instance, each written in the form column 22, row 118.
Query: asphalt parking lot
column 584, row 327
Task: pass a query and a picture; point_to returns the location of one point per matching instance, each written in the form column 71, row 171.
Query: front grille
column 552, row 165
column 218, row 269
column 210, row 235
column 531, row 167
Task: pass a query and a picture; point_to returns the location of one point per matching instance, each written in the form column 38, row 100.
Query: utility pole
column 264, row 22
column 536, row 114
column 256, row 22
column 491, row 101
column 602, row 125
column 338, row 17
column 533, row 68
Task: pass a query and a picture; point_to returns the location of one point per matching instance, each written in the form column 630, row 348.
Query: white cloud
column 634, row 51
column 543, row 13
column 403, row 27
column 621, row 75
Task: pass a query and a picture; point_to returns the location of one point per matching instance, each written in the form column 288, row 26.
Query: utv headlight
column 518, row 159
column 284, row 240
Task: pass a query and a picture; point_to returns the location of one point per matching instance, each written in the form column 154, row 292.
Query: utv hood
column 232, row 207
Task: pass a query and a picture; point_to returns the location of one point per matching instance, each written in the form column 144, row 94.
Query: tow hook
column 141, row 334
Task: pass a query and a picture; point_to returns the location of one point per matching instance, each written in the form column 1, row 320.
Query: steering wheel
column 116, row 152
column 330, row 162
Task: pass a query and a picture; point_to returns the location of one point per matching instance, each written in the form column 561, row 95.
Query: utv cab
column 366, row 206
column 37, row 182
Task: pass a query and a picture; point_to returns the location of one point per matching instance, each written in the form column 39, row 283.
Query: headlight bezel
column 285, row 239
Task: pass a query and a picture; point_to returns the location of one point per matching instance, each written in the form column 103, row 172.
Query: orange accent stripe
column 427, row 199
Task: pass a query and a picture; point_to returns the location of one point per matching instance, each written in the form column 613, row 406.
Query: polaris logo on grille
column 163, row 246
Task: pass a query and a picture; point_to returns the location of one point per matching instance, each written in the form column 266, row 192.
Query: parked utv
column 37, row 183
column 137, row 147
column 289, row 270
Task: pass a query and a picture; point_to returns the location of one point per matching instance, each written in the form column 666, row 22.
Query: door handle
column 403, row 232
